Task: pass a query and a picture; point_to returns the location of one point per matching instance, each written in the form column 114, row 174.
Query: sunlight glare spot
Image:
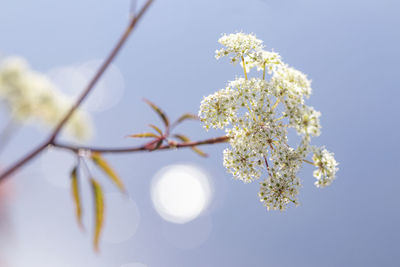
column 180, row 193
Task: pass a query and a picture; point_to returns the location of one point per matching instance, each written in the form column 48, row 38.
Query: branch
column 50, row 141
column 145, row 147
column 101, row 70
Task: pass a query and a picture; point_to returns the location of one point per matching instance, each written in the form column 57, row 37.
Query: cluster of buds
column 257, row 114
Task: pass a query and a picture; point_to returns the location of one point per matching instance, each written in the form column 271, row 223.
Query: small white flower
column 238, row 45
column 244, row 164
column 219, row 109
column 305, row 120
column 292, row 80
column 326, row 167
column 286, row 159
column 261, row 59
column 279, row 190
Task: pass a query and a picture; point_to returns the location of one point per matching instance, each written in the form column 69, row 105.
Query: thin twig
column 101, row 70
column 28, row 157
column 266, row 164
column 145, row 147
column 23, row 161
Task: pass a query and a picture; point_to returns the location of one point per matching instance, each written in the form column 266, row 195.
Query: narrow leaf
column 156, row 129
column 182, row 138
column 106, row 168
column 99, row 212
column 143, row 135
column 159, row 143
column 194, row 148
column 159, row 112
column 187, row 116
column 200, row 152
column 76, row 196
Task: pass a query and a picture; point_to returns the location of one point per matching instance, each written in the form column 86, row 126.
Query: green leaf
column 199, row 152
column 182, row 138
column 187, row 116
column 159, row 143
column 99, row 212
column 185, row 139
column 156, row 129
column 159, row 112
column 76, row 196
column 106, row 168
column 143, row 135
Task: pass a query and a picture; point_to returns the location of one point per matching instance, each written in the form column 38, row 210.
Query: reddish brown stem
column 50, row 141
column 101, row 70
column 266, row 164
column 144, row 147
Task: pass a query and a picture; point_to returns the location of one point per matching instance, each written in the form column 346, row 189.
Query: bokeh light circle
column 72, row 79
column 180, row 193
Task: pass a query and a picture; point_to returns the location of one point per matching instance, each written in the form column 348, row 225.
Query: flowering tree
column 256, row 112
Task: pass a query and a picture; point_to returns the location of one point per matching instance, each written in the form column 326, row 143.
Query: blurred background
column 350, row 50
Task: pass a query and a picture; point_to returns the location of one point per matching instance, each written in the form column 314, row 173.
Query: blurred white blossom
column 257, row 113
column 31, row 97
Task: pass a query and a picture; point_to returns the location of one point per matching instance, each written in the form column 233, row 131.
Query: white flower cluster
column 31, row 97
column 257, row 114
column 327, row 167
column 237, row 46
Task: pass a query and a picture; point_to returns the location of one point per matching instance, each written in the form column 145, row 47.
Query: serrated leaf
column 185, row 139
column 99, row 212
column 143, row 135
column 106, row 168
column 159, row 112
column 76, row 195
column 156, row 129
column 187, row 116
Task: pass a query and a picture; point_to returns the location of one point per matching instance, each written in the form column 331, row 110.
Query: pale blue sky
column 350, row 49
